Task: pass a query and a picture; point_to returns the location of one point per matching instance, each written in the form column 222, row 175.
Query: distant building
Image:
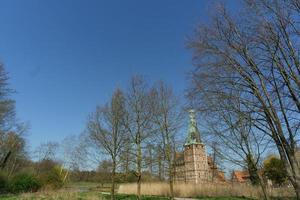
column 193, row 165
column 240, row 177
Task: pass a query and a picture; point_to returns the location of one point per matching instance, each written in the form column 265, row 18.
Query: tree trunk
column 171, row 183
column 66, row 176
column 13, row 167
column 294, row 176
column 113, row 174
column 3, row 164
column 159, row 166
column 139, row 170
column 263, row 187
column 170, row 165
column 150, row 161
column 255, row 177
column 290, row 161
column 297, row 188
column 127, row 166
column 126, row 160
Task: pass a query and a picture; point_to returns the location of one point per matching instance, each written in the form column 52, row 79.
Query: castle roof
column 241, row 176
column 193, row 132
column 221, row 176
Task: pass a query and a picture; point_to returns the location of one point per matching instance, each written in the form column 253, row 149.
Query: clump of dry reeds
column 200, row 190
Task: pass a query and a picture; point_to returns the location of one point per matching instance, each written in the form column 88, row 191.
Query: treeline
column 105, row 177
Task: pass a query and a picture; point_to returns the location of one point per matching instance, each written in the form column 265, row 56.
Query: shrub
column 24, row 182
column 53, row 179
column 3, row 182
column 275, row 171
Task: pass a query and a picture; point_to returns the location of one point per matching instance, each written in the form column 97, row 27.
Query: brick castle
column 193, row 165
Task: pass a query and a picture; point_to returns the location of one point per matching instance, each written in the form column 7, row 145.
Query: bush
column 53, row 179
column 3, row 182
column 24, row 182
column 275, row 171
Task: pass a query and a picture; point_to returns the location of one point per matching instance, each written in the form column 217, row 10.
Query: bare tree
column 253, row 58
column 75, row 152
column 9, row 128
column 167, row 118
column 47, row 151
column 234, row 132
column 15, row 153
column 217, row 160
column 12, row 147
column 106, row 131
column 7, row 105
column 138, row 122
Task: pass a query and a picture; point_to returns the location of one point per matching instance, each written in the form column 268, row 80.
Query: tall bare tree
column 234, row 132
column 47, row 151
column 74, row 154
column 138, row 122
column 255, row 55
column 7, row 105
column 167, row 118
column 106, row 130
column 8, row 125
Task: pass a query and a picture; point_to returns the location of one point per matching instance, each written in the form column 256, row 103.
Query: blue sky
column 66, row 56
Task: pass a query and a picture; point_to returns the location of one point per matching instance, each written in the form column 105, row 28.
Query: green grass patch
column 9, row 197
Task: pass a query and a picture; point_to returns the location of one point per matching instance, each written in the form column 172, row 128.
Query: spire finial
column 193, row 132
column 192, row 116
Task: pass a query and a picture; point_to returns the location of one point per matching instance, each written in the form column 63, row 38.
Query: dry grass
column 88, row 191
column 202, row 190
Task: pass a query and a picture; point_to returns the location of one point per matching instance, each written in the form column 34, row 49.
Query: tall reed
column 202, row 190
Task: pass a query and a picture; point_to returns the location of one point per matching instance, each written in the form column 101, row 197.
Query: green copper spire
column 193, row 132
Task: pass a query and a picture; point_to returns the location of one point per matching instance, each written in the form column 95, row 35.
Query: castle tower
column 195, row 158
